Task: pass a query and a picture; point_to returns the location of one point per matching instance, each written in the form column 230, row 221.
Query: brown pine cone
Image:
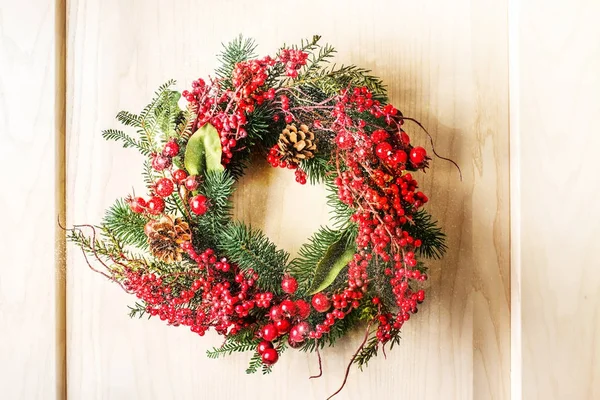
column 296, row 144
column 165, row 237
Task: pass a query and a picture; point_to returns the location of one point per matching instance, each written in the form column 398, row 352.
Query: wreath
column 189, row 263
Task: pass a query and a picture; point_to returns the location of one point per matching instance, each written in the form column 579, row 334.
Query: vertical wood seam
column 60, row 198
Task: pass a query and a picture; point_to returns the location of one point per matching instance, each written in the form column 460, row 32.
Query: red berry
column 320, row 302
column 198, row 204
column 269, row 332
column 383, row 150
column 283, row 326
column 155, row 205
column 191, row 183
column 401, row 156
column 379, row 136
column 288, row 307
column 163, row 187
column 179, row 176
column 137, row 204
column 303, row 309
column 275, row 313
column 289, row 284
column 160, row 162
column 404, row 138
column 171, row 149
column 262, row 346
column 299, row 331
column 270, row 357
column 417, row 155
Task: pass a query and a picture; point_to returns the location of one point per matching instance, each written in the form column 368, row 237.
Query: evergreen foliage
column 425, row 228
column 252, row 249
column 125, row 225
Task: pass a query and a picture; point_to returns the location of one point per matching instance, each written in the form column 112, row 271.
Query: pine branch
column 236, row 51
column 129, row 119
column 218, row 188
column 128, row 141
column 317, row 168
column 332, row 80
column 148, row 174
column 138, row 310
column 148, row 110
column 125, row 225
column 251, row 249
column 341, row 212
column 229, row 348
column 255, row 363
column 368, row 351
column 316, row 61
column 423, row 227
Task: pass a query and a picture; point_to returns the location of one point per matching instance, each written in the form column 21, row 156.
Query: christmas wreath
column 189, row 263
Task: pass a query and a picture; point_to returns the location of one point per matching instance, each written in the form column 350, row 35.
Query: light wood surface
column 559, row 115
column 445, row 64
column 31, row 197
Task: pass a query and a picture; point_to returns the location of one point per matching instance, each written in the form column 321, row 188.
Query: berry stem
column 352, row 360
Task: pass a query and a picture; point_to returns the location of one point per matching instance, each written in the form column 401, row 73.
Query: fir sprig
column 252, row 249
column 238, row 50
column 125, row 225
column 423, row 227
column 229, row 348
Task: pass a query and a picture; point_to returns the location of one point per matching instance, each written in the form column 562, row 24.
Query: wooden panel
column 558, row 118
column 31, row 139
column 445, row 63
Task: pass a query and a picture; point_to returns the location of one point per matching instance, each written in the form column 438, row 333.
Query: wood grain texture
column 445, row 64
column 559, row 114
column 31, row 135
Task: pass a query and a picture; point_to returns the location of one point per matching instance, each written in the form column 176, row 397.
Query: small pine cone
column 296, row 144
column 165, row 237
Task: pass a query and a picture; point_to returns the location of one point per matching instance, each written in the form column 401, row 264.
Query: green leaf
column 203, row 151
column 332, row 263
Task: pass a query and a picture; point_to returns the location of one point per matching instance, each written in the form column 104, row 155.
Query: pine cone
column 165, row 237
column 296, row 144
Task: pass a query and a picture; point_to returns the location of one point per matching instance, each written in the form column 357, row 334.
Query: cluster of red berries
column 293, row 60
column 165, row 187
column 287, row 317
column 274, row 158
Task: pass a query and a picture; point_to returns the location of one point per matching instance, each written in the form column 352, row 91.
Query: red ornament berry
column 404, row 138
column 288, row 307
column 262, row 346
column 383, row 150
column 303, row 309
column 320, row 302
column 163, row 187
column 275, row 313
column 269, row 332
column 160, row 162
column 198, row 205
column 137, row 204
column 155, row 205
column 417, row 155
column 299, row 332
column 283, row 326
column 171, row 149
column 191, row 183
column 379, row 136
column 401, row 156
column 179, row 176
column 289, row 284
column 270, row 357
